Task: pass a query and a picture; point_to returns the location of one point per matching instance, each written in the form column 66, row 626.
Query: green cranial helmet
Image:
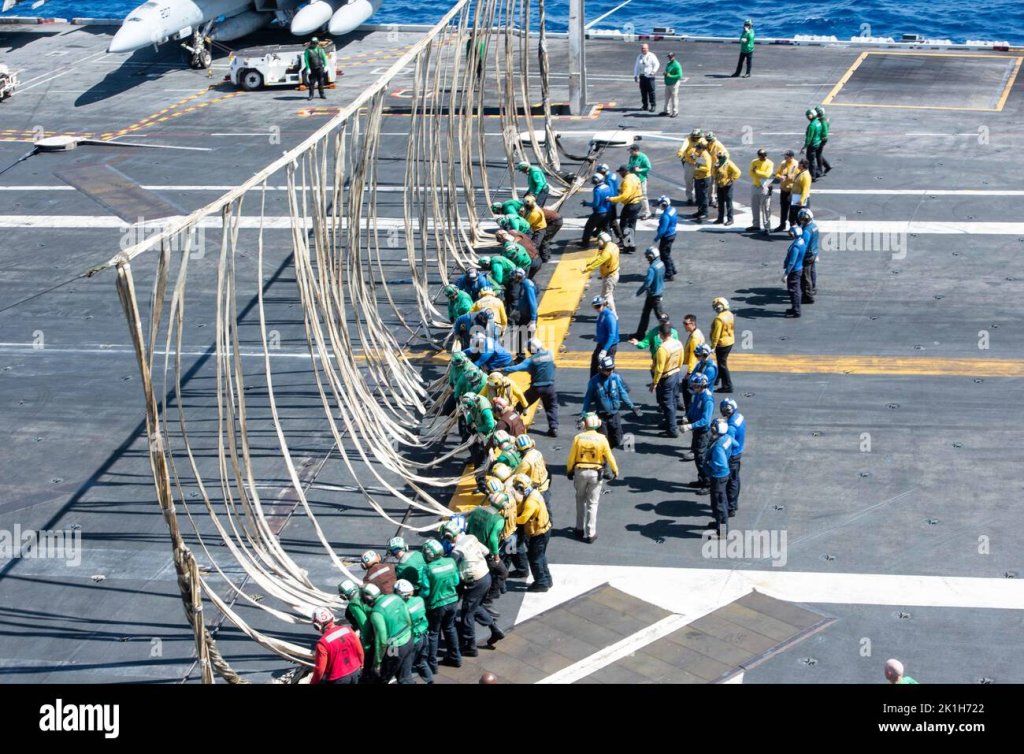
column 811, row 114
column 496, row 207
column 820, row 111
column 432, row 550
column 348, row 589
column 396, row 545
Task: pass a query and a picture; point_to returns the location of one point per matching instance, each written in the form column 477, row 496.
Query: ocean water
column 945, row 19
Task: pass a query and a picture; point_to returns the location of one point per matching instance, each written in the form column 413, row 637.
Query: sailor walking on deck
column 654, row 288
column 666, row 235
column 590, row 462
column 600, row 206
column 631, row 197
column 541, row 367
column 823, row 165
column 606, row 395
column 606, row 333
column 606, row 261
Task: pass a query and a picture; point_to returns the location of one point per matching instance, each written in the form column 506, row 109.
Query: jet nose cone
column 134, row 35
column 312, row 17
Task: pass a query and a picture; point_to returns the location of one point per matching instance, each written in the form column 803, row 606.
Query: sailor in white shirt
column 644, row 70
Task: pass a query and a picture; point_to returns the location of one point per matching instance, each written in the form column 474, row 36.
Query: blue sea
column 992, row 20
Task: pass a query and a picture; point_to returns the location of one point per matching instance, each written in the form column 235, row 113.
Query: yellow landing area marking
column 863, row 56
column 554, row 315
column 170, row 112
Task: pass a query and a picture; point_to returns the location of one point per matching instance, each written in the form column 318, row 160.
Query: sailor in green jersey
column 418, row 613
column 517, row 223
column 487, row 523
column 640, row 165
column 410, row 564
column 509, row 207
column 500, row 270
column 393, row 647
column 440, row 593
column 673, row 75
column 459, row 302
column 823, row 164
column 516, row 254
column 314, row 63
column 652, row 340
column 746, row 48
column 812, row 143
column 536, row 182
column 357, row 614
column 480, row 419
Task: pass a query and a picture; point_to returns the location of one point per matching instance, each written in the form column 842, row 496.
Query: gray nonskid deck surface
column 942, row 468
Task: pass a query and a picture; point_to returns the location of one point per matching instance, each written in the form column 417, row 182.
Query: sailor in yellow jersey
column 535, row 216
column 761, row 193
column 784, row 175
column 687, row 153
column 800, row 196
column 694, row 337
column 723, row 336
column 703, row 172
column 669, row 365
column 631, row 197
column 590, row 461
column 607, row 261
column 726, row 174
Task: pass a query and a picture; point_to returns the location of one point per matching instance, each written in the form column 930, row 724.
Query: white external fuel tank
column 351, row 15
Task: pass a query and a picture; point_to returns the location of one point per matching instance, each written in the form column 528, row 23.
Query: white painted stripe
column 921, row 192
column 649, row 134
column 617, row 651
column 920, row 227
column 698, row 591
column 123, row 350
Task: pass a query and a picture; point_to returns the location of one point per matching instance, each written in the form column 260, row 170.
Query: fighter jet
column 200, row 23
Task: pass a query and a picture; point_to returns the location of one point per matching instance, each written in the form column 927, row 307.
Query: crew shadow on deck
column 759, row 298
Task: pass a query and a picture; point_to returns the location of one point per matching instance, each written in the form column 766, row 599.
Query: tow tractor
column 8, row 82
column 276, row 65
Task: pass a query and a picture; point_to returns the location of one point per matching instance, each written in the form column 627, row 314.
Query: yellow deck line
column 846, row 77
column 554, row 315
column 1009, row 85
column 896, row 366
column 821, row 364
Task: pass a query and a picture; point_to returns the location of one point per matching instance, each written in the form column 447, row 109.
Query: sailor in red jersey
column 339, row 653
